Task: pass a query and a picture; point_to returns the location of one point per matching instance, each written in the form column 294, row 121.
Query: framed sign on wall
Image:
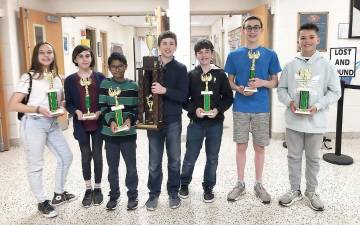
column 354, row 28
column 320, row 19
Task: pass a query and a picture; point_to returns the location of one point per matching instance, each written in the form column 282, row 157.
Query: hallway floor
column 339, row 189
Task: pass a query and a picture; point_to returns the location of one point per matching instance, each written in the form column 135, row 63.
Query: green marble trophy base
column 303, row 101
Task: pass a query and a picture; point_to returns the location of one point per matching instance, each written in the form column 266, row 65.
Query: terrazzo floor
column 339, row 188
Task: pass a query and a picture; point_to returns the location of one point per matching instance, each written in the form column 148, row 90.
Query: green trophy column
column 119, row 117
column 87, row 103
column 252, row 74
column 304, row 100
column 52, row 98
column 206, row 102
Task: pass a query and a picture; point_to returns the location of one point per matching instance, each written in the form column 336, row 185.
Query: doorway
column 102, row 52
column 91, row 35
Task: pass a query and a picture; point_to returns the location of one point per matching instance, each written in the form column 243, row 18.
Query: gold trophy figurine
column 150, row 104
column 117, row 108
column 253, row 56
column 54, row 107
column 304, row 92
column 207, row 94
column 86, row 82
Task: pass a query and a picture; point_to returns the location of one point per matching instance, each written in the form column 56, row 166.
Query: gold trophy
column 253, row 56
column 304, row 92
column 85, row 82
column 207, row 94
column 150, row 39
column 54, row 107
column 118, row 110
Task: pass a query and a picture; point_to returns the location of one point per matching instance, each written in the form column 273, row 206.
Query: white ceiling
column 139, row 21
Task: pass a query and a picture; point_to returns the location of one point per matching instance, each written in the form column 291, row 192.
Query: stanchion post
column 337, row 157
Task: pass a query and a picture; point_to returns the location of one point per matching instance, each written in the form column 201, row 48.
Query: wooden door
column 4, row 129
column 91, row 35
column 263, row 13
column 37, row 26
column 103, row 52
column 40, row 26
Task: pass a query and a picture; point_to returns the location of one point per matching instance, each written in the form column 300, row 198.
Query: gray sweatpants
column 296, row 143
column 36, row 132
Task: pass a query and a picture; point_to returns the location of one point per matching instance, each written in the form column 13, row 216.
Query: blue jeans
column 194, row 140
column 171, row 135
column 36, row 132
column 128, row 151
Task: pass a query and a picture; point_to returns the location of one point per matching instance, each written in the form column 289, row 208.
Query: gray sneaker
column 174, row 201
column 236, row 192
column 290, row 198
column 314, row 201
column 261, row 193
column 151, row 203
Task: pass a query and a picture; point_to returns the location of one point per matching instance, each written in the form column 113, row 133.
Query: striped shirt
column 128, row 97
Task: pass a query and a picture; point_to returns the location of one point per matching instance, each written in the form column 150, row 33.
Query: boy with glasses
column 116, row 142
column 255, row 68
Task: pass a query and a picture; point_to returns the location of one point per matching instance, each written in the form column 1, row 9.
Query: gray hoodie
column 324, row 85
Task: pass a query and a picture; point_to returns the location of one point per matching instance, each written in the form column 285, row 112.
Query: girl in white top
column 39, row 128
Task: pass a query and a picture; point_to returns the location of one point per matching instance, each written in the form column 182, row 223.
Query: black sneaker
column 208, row 195
column 132, row 203
column 184, row 191
column 62, row 198
column 112, row 203
column 97, row 196
column 87, row 200
column 46, row 209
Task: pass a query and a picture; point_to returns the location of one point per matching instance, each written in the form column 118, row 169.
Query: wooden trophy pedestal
column 150, row 105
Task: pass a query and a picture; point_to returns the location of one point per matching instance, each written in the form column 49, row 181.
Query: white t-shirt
column 38, row 95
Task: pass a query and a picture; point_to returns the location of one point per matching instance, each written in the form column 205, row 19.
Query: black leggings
column 94, row 152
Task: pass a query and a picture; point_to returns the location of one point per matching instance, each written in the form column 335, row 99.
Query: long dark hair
column 36, row 66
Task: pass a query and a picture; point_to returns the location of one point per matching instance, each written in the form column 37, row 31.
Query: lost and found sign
column 344, row 59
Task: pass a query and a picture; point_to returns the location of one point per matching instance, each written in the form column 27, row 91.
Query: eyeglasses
column 254, row 28
column 116, row 67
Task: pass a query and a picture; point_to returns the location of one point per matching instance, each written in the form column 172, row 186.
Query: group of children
column 205, row 92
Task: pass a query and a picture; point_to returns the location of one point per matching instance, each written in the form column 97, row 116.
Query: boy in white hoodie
column 305, row 132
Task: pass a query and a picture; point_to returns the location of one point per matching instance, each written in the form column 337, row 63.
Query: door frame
column 4, row 113
column 104, row 52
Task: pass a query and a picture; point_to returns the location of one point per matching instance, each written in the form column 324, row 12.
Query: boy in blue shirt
column 251, row 110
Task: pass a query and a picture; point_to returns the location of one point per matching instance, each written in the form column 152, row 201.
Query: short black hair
column 117, row 56
column 79, row 49
column 252, row 18
column 203, row 44
column 167, row 34
column 309, row 26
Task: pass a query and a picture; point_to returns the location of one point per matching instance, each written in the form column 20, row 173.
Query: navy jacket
column 72, row 103
column 176, row 83
column 221, row 99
